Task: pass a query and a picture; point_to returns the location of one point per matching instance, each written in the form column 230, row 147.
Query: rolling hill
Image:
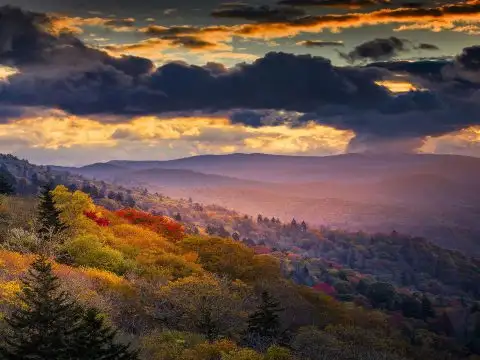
column 435, row 196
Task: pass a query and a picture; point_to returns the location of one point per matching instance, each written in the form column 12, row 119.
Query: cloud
column 75, row 25
column 349, row 4
column 464, row 142
column 448, row 16
column 262, row 118
column 59, row 71
column 257, row 13
column 383, row 49
column 28, row 41
column 120, row 23
column 170, row 11
column 425, row 46
column 377, row 49
column 58, row 137
column 319, row 43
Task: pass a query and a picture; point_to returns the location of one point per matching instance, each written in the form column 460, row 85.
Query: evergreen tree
column 427, row 308
column 178, row 217
column 265, row 322
column 97, row 341
column 51, row 325
column 7, row 182
column 304, row 226
column 48, row 214
column 45, row 327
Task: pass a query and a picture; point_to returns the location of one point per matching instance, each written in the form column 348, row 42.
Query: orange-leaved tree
column 163, row 225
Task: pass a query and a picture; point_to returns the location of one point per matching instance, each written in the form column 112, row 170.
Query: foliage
column 157, row 284
column 265, row 321
column 96, row 340
column 242, row 354
column 49, row 324
column 48, row 213
column 46, row 325
column 87, row 250
column 210, row 306
column 100, row 221
column 227, row 257
column 73, row 207
column 7, row 182
column 159, row 224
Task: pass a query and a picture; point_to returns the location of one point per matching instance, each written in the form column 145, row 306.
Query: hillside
column 184, row 246
column 434, row 196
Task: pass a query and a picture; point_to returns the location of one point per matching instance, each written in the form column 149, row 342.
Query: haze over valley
column 435, row 196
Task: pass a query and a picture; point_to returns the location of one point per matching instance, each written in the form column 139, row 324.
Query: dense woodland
column 151, row 277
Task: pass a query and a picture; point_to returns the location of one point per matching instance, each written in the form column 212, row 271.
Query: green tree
column 48, row 214
column 50, row 325
column 45, row 327
column 265, row 322
column 381, row 294
column 97, row 341
column 427, row 308
column 7, row 182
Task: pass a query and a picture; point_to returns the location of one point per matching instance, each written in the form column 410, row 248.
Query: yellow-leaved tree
column 73, row 207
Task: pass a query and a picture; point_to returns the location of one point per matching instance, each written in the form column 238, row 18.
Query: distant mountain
column 279, row 168
column 178, row 178
column 426, row 195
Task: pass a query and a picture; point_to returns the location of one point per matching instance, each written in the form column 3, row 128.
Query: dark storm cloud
column 189, row 42
column 257, row 13
column 119, row 23
column 333, row 3
column 259, row 118
column 190, row 37
column 377, row 49
column 62, row 72
column 25, row 41
column 425, row 46
column 83, row 80
column 8, row 113
column 248, row 117
column 319, row 43
column 429, row 69
column 470, row 58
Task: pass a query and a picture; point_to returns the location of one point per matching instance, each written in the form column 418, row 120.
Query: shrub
column 87, row 250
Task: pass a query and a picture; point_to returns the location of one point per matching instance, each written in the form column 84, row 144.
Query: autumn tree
column 210, row 306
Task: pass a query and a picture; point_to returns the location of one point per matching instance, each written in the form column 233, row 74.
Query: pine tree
column 304, row 226
column 97, row 341
column 51, row 325
column 46, row 326
column 48, row 214
column 427, row 308
column 265, row 322
column 6, row 182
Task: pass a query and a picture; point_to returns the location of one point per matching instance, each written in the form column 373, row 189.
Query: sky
column 84, row 81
